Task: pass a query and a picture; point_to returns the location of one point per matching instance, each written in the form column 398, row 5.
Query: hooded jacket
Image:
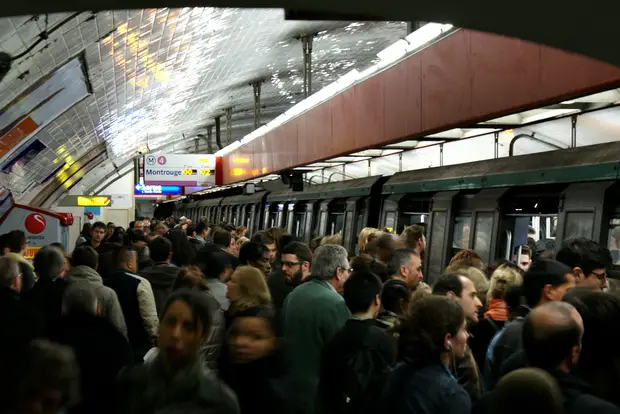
column 161, row 276
column 26, row 268
column 109, row 306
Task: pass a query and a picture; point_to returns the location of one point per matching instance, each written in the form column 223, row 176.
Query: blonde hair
column 502, row 279
column 477, row 277
column 333, row 239
column 362, row 239
column 421, row 291
column 252, row 289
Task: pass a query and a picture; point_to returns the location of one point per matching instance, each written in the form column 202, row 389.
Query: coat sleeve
column 148, row 310
column 115, row 313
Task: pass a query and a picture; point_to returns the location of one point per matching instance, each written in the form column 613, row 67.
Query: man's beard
column 296, row 279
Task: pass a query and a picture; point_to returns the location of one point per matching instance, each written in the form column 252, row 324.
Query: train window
column 390, row 220
column 462, row 227
column 613, row 239
column 322, row 222
column 579, row 225
column 438, row 229
column 484, row 227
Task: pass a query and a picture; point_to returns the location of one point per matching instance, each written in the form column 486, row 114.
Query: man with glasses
column 295, row 259
column 312, row 313
column 589, row 261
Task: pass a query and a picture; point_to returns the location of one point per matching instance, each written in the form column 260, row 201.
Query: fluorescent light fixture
column 425, row 34
column 550, row 113
column 347, row 158
column 228, row 149
column 394, row 52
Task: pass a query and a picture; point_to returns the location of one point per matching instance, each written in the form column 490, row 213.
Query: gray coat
column 109, row 307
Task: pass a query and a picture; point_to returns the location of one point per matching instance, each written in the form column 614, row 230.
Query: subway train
column 487, row 205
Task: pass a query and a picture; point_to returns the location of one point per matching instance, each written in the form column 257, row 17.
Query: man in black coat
column 101, row 350
column 551, row 341
column 355, row 361
column 19, row 323
column 46, row 295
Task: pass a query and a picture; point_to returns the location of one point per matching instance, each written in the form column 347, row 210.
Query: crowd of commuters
column 179, row 317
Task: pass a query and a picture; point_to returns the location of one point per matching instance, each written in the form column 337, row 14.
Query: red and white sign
column 35, row 223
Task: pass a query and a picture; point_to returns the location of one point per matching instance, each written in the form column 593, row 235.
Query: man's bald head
column 552, row 335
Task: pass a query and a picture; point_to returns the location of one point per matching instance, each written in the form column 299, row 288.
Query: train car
column 487, row 205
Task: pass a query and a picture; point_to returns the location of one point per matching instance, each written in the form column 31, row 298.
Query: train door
column 290, row 219
column 438, row 240
column 281, row 215
column 525, row 209
column 336, row 216
column 271, row 215
column 234, row 214
column 307, row 222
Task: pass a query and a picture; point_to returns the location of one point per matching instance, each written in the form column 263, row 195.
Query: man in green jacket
column 313, row 313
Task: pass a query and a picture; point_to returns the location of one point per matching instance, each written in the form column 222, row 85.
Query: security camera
column 5, row 64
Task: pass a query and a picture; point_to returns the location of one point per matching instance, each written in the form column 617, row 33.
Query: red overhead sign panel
column 462, row 79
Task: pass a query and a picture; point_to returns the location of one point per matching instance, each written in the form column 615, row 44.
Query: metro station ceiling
column 160, row 76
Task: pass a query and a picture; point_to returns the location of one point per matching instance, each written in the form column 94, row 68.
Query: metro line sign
column 179, row 169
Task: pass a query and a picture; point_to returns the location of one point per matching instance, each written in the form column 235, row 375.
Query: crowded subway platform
column 172, row 316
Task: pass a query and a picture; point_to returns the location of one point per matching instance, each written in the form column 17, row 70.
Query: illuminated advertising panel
column 157, row 189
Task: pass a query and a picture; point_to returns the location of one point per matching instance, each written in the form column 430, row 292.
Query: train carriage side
column 489, row 205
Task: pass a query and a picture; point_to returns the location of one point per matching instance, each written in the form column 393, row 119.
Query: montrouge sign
column 179, row 169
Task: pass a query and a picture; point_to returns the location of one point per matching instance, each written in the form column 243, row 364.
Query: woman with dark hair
column 183, row 254
column 599, row 360
column 118, row 235
column 192, row 278
column 431, row 337
column 253, row 364
column 84, row 234
column 176, row 380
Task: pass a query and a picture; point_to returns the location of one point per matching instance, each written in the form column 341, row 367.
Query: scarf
column 497, row 310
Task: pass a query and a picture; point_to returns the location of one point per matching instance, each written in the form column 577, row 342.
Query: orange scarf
column 497, row 310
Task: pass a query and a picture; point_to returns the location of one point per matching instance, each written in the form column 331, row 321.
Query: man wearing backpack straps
column 356, row 361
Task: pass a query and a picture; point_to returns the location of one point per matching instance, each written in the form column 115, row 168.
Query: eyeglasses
column 347, row 269
column 600, row 276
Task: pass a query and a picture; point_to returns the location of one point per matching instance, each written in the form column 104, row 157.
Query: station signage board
column 179, row 169
column 86, row 201
column 141, row 189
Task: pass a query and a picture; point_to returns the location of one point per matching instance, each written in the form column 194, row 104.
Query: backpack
column 365, row 374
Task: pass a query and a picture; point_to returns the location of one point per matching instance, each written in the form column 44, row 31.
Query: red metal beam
column 465, row 78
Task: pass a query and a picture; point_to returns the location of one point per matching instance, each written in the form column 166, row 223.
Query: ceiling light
column 425, row 34
column 393, row 52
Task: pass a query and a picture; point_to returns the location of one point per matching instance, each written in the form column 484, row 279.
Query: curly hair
column 422, row 332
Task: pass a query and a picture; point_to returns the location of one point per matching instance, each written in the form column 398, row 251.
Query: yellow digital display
column 189, row 171
column 93, row 201
column 205, row 172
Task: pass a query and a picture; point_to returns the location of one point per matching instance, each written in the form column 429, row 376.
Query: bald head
column 542, row 391
column 552, row 336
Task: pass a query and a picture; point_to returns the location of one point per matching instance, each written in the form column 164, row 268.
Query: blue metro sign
column 141, row 189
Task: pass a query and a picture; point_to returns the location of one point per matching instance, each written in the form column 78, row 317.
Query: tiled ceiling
column 163, row 74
